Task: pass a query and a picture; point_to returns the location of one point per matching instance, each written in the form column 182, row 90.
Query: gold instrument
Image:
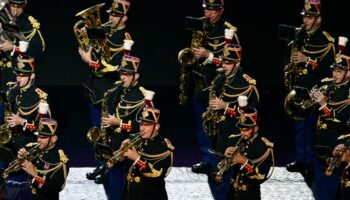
column 100, row 134
column 225, row 164
column 16, row 165
column 119, row 155
column 6, row 132
column 187, row 58
column 333, row 162
column 292, row 71
column 299, row 104
column 91, row 19
column 211, row 117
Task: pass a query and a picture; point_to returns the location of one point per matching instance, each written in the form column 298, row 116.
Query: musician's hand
column 229, row 151
column 21, row 153
column 299, row 57
column 217, row 104
column 337, row 149
column 125, row 142
column 239, row 159
column 6, row 46
column 319, row 98
column 131, row 154
column 110, row 121
column 85, row 55
column 201, row 52
column 29, row 168
column 15, row 120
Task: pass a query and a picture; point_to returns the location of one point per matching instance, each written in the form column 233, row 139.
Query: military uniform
column 24, row 102
column 345, row 183
column 332, row 122
column 52, row 166
column 259, row 152
column 145, row 178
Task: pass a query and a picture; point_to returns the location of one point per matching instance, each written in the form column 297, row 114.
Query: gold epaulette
column 63, row 157
column 34, row 22
column 168, row 143
column 142, row 89
column 326, row 80
column 249, row 79
column 31, row 144
column 230, row 26
column 267, row 142
column 329, row 37
column 42, row 94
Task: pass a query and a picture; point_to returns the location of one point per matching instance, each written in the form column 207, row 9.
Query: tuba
column 95, row 134
column 91, row 19
column 119, row 155
column 299, row 103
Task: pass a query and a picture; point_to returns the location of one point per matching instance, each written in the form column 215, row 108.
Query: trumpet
column 225, row 164
column 119, row 154
column 333, row 162
column 15, row 165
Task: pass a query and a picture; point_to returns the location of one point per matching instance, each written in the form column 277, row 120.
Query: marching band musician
column 152, row 161
column 332, row 122
column 315, row 54
column 48, row 172
column 103, row 73
column 33, row 43
column 255, row 158
column 231, row 83
column 127, row 104
column 345, row 178
column 27, row 102
column 213, row 45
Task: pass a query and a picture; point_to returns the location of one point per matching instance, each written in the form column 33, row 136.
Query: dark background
column 157, row 27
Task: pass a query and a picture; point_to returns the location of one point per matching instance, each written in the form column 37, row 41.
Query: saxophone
column 6, row 132
column 16, row 165
column 292, row 71
column 211, row 117
column 96, row 134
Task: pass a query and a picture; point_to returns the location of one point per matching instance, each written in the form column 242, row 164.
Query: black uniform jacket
column 334, row 117
column 145, row 179
column 319, row 47
column 259, row 152
column 51, row 165
column 229, row 88
column 103, row 79
column 126, row 104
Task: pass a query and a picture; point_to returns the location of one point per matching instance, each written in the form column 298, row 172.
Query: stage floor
column 183, row 184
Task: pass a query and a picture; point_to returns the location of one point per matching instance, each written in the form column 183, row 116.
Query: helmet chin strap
column 29, row 83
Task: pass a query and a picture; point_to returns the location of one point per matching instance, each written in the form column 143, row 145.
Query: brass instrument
column 292, row 71
column 211, row 117
column 119, row 155
column 299, row 105
column 16, row 165
column 91, row 19
column 225, row 164
column 333, row 162
column 6, row 132
column 187, row 58
column 95, row 134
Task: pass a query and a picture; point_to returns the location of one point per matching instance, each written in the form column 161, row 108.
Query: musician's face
column 16, row 10
column 117, row 20
column 339, row 75
column 311, row 23
column 24, row 79
column 46, row 142
column 128, row 79
column 213, row 15
column 149, row 130
column 228, row 67
column 247, row 133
